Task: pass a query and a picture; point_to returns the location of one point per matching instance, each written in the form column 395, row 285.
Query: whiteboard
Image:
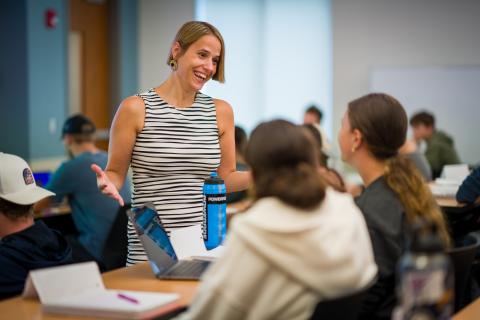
column 452, row 94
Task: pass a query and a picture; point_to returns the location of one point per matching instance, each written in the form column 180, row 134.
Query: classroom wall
column 278, row 53
column 34, row 79
column 371, row 33
column 159, row 21
column 124, row 50
column 13, row 78
column 47, row 77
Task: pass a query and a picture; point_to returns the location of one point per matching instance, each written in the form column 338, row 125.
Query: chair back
column 345, row 308
column 462, row 219
column 462, row 257
column 115, row 249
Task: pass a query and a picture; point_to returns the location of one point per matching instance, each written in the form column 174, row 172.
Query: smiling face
column 199, row 62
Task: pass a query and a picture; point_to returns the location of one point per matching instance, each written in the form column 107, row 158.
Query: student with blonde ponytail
column 298, row 244
column 373, row 129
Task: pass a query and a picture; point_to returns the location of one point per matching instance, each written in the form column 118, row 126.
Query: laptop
column 42, row 177
column 158, row 248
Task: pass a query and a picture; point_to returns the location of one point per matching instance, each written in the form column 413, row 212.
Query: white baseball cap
column 17, row 183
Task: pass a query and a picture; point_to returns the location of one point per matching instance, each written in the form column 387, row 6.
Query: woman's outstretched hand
column 105, row 185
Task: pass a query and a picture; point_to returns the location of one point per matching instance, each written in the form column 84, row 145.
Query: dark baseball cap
column 78, row 124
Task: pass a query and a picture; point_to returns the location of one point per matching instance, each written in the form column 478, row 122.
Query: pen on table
column 127, row 298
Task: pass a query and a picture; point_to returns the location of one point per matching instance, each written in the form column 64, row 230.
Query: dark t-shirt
column 469, row 191
column 32, row 248
column 385, row 218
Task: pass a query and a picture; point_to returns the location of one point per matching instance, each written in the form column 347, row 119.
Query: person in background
column 469, row 191
column 314, row 116
column 174, row 136
column 440, row 146
column 331, row 176
column 92, row 213
column 373, row 128
column 300, row 242
column 410, row 149
column 25, row 244
column 241, row 140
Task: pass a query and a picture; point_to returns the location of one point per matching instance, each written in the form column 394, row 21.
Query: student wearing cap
column 25, row 244
column 92, row 213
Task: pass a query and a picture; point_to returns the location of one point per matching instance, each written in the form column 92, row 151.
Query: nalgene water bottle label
column 424, row 287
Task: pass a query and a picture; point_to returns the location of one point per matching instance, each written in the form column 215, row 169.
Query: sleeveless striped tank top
column 173, row 154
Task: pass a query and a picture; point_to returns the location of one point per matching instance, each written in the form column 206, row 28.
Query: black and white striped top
column 173, row 154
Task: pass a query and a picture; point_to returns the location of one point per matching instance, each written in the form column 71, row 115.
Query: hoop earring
column 173, row 64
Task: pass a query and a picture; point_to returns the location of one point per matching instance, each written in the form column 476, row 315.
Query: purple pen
column 127, row 298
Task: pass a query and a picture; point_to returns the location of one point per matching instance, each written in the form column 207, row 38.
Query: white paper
column 188, row 242
column 108, row 300
column 455, row 172
column 211, row 255
column 444, row 190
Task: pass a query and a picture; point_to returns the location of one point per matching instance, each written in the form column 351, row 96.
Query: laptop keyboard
column 191, row 269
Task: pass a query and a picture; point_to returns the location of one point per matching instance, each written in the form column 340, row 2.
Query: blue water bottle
column 214, row 211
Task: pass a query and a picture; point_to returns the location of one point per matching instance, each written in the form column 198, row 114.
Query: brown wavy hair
column 383, row 123
column 283, row 163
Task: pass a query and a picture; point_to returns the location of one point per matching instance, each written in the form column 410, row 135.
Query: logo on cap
column 28, row 176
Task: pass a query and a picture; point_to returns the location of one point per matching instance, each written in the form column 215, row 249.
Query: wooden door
column 89, row 29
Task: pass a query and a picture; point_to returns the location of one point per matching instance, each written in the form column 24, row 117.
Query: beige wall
column 373, row 33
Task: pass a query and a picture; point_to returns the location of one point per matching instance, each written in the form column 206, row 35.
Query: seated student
column 373, row 129
column 410, row 149
column 440, row 147
column 313, row 115
column 92, row 213
column 241, row 140
column 331, row 176
column 298, row 244
column 469, row 191
column 25, row 244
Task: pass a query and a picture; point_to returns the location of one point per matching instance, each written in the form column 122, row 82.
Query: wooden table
column 448, row 202
column 56, row 210
column 470, row 312
column 139, row 277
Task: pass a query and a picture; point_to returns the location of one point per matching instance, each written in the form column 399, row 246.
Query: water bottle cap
column 427, row 240
column 214, row 179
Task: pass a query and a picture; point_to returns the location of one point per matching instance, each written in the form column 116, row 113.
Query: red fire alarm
column 51, row 18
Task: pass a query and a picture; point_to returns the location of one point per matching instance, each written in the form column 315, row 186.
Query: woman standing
column 373, row 128
column 174, row 136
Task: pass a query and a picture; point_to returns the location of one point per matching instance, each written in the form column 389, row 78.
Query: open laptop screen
column 146, row 221
column 42, row 178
